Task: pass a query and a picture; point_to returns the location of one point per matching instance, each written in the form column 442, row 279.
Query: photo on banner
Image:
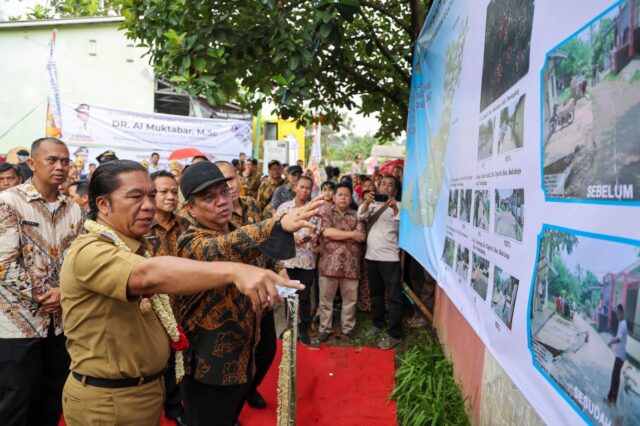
column 449, row 251
column 509, row 213
column 481, row 210
column 580, row 280
column 511, row 127
column 590, row 107
column 507, row 44
column 505, row 292
column 480, row 275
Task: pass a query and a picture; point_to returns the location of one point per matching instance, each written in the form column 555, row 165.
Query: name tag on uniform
column 26, row 222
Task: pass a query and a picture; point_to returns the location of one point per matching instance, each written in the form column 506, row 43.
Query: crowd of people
column 86, row 257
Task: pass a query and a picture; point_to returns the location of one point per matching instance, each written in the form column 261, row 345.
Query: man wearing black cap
column 106, row 157
column 221, row 324
column 285, row 192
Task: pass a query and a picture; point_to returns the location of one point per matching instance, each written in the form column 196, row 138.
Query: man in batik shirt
column 246, row 212
column 251, row 179
column 302, row 266
column 163, row 241
column 221, row 324
column 37, row 225
column 339, row 265
column 268, row 187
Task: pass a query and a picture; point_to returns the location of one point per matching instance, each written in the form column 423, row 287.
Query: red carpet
column 336, row 386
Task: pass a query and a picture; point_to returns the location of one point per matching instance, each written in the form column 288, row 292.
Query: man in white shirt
column 619, row 345
column 382, row 219
column 154, row 166
column 356, row 166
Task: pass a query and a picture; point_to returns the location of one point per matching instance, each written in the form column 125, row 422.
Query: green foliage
column 73, row 8
column 347, row 148
column 602, row 42
column 578, row 61
column 556, row 241
column 304, row 56
column 425, row 391
column 565, row 96
column 562, row 280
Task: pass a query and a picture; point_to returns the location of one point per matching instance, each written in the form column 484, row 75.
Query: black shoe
column 351, row 335
column 303, row 337
column 180, row 420
column 256, row 400
column 323, row 336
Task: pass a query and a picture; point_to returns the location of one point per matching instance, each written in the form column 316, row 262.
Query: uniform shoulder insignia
column 107, row 237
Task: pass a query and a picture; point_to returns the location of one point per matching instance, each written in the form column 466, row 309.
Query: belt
column 116, row 383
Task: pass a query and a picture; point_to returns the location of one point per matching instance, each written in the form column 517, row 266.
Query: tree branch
column 387, row 54
column 370, row 86
column 386, row 12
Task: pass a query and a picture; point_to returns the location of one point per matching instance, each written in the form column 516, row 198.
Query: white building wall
column 96, row 65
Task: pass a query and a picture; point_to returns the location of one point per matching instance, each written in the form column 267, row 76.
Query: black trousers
column 32, row 375
column 173, row 399
column 266, row 349
column 615, row 380
column 305, row 276
column 384, row 277
column 209, row 405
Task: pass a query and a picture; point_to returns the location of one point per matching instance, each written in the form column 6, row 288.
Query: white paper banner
column 521, row 189
column 134, row 135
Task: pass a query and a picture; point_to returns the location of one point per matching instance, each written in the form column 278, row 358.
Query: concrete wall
column 96, row 65
column 491, row 397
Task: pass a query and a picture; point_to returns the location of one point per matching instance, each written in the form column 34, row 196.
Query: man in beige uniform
column 118, row 351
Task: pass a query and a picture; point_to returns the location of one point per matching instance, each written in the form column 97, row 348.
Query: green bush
column 564, row 97
column 425, row 391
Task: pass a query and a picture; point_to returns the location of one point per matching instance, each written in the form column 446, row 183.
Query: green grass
column 636, row 76
column 425, row 391
column 612, row 77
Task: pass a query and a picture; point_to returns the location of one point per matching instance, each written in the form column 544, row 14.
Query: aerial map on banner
column 521, row 192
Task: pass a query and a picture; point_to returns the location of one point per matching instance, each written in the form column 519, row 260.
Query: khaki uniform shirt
column 107, row 335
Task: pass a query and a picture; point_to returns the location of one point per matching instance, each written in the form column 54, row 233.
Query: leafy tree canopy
column 71, row 9
column 306, row 56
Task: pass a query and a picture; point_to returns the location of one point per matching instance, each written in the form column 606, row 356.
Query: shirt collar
column 32, row 193
column 172, row 223
column 349, row 211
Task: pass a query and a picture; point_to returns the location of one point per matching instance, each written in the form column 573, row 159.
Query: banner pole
column 256, row 143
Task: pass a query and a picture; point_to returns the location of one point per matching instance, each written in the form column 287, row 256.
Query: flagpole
column 53, row 122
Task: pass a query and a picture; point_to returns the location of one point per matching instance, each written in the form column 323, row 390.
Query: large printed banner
column 135, row 135
column 522, row 187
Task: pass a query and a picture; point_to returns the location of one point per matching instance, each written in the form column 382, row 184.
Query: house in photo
column 622, row 287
